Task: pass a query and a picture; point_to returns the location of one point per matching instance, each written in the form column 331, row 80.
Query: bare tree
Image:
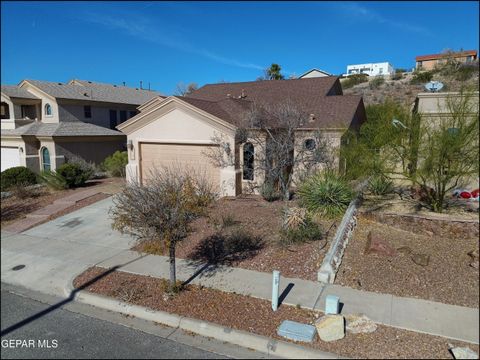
column 162, row 209
column 284, row 149
column 183, row 89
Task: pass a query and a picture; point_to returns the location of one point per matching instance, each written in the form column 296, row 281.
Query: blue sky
column 205, row 42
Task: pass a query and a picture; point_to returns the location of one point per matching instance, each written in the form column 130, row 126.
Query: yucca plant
column 325, row 193
column 294, row 217
column 380, row 185
column 53, row 180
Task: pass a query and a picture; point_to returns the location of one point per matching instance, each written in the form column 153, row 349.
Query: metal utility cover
column 296, row 331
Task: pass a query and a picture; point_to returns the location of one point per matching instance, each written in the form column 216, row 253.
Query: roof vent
column 311, row 118
column 60, row 84
column 89, row 82
column 243, row 94
column 114, row 85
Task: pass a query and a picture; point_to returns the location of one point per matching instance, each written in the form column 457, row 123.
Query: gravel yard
column 262, row 221
column 257, row 317
column 448, row 277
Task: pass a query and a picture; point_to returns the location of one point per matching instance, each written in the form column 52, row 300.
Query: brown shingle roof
column 319, row 96
column 440, row 56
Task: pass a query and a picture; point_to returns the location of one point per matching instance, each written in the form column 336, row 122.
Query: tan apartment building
column 429, row 62
column 44, row 124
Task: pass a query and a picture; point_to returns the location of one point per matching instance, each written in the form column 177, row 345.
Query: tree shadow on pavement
column 216, row 252
column 70, row 298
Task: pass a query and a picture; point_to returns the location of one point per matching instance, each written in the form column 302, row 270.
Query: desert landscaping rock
column 464, row 353
column 359, row 324
column 404, row 250
column 377, row 245
column 330, row 327
column 421, row 259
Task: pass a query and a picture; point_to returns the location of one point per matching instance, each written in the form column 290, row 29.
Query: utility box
column 332, row 303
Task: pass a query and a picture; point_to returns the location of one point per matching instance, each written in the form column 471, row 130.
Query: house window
column 113, row 119
column 87, row 111
column 248, row 159
column 123, row 116
column 48, row 110
column 5, row 111
column 310, row 144
column 45, row 159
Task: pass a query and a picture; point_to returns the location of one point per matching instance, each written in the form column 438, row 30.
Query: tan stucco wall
column 54, row 118
column 333, row 141
column 181, row 126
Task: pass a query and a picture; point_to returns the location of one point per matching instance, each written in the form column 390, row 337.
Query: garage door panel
column 182, row 156
column 10, row 157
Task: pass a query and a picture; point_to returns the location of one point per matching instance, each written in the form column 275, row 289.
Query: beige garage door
column 191, row 157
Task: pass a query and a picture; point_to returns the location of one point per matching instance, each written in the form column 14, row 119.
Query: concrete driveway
column 53, row 253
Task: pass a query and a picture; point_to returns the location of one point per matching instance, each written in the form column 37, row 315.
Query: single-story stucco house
column 180, row 130
column 43, row 124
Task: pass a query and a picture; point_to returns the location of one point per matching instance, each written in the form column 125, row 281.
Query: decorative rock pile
column 333, row 327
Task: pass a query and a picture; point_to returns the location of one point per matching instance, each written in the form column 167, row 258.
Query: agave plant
column 294, row 217
column 325, row 193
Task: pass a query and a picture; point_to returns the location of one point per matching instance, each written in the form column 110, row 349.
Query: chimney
column 141, row 84
column 124, row 83
column 243, row 94
column 149, row 86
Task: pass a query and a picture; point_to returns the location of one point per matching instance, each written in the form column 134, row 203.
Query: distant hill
column 401, row 90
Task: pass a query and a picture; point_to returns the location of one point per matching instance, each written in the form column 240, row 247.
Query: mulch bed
column 262, row 220
column 447, row 278
column 255, row 315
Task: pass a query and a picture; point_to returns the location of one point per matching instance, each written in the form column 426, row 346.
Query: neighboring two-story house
column 43, row 124
column 429, row 62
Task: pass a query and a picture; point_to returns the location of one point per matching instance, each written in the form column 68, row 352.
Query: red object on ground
column 377, row 245
column 475, row 193
column 465, row 195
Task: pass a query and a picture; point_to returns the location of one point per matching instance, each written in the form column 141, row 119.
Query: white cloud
column 141, row 27
column 355, row 9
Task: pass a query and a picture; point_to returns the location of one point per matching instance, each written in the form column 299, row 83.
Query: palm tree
column 273, row 72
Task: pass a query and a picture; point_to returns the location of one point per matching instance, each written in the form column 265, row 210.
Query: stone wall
column 427, row 225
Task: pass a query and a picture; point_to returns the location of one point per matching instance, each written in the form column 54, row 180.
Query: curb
column 237, row 337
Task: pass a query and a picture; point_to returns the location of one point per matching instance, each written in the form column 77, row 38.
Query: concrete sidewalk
column 54, row 252
column 455, row 322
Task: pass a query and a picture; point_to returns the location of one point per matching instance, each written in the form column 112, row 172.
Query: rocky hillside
column 402, row 90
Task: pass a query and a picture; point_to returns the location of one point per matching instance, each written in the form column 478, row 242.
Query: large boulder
column 359, row 323
column 331, row 327
column 377, row 245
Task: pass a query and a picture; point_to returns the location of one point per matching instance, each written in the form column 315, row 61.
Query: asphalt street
column 65, row 334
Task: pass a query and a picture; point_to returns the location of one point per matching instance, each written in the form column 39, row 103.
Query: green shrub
column 380, row 185
column 309, row 231
column 115, row 163
column 377, row 82
column 400, row 71
column 326, row 193
column 53, row 180
column 75, row 174
column 397, row 76
column 269, row 193
column 422, row 77
column 353, row 80
column 465, row 72
column 18, row 175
